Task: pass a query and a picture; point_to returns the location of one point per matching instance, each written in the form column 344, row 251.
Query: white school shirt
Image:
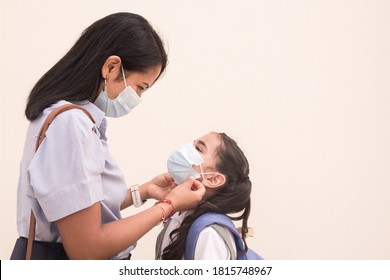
column 71, row 171
column 210, row 244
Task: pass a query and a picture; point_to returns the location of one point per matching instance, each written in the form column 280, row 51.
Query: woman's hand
column 158, row 187
column 187, row 195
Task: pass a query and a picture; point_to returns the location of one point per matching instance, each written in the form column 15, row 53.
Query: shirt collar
column 98, row 115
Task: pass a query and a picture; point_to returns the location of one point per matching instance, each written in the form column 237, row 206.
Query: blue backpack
column 217, row 220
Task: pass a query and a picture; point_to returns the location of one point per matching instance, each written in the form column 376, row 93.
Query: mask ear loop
column 201, row 171
column 105, row 84
column 123, row 74
column 205, row 173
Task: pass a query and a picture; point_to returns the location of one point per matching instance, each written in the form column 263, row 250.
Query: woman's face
column 207, row 147
column 139, row 81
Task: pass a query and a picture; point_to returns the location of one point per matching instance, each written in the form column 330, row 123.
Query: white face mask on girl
column 126, row 101
column 180, row 163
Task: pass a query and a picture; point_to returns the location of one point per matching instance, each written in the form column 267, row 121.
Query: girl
column 223, row 169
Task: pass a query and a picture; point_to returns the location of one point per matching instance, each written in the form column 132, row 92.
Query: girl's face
column 207, row 147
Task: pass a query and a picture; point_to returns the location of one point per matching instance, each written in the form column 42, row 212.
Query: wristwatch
column 137, row 201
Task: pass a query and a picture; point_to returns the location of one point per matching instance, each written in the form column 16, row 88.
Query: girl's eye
column 198, row 149
column 141, row 88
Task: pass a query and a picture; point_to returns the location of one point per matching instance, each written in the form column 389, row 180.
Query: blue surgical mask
column 126, row 101
column 180, row 163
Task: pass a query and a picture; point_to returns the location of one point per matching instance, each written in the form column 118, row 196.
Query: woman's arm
column 85, row 237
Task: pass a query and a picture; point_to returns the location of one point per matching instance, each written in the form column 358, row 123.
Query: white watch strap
column 137, row 201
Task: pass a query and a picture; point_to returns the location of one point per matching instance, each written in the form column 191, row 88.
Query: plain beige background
column 303, row 86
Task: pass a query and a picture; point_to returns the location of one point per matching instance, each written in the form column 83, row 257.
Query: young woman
column 223, row 169
column 71, row 183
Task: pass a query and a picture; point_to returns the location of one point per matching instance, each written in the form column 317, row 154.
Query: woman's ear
column 214, row 180
column 111, row 64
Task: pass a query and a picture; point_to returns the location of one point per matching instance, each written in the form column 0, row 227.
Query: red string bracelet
column 170, row 203
column 163, row 220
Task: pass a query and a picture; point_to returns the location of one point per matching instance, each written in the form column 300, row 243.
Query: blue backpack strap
column 201, row 223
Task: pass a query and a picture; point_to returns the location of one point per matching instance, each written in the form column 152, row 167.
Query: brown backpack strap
column 41, row 136
column 52, row 115
column 31, row 235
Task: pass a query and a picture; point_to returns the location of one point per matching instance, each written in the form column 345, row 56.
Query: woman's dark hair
column 77, row 76
column 231, row 198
